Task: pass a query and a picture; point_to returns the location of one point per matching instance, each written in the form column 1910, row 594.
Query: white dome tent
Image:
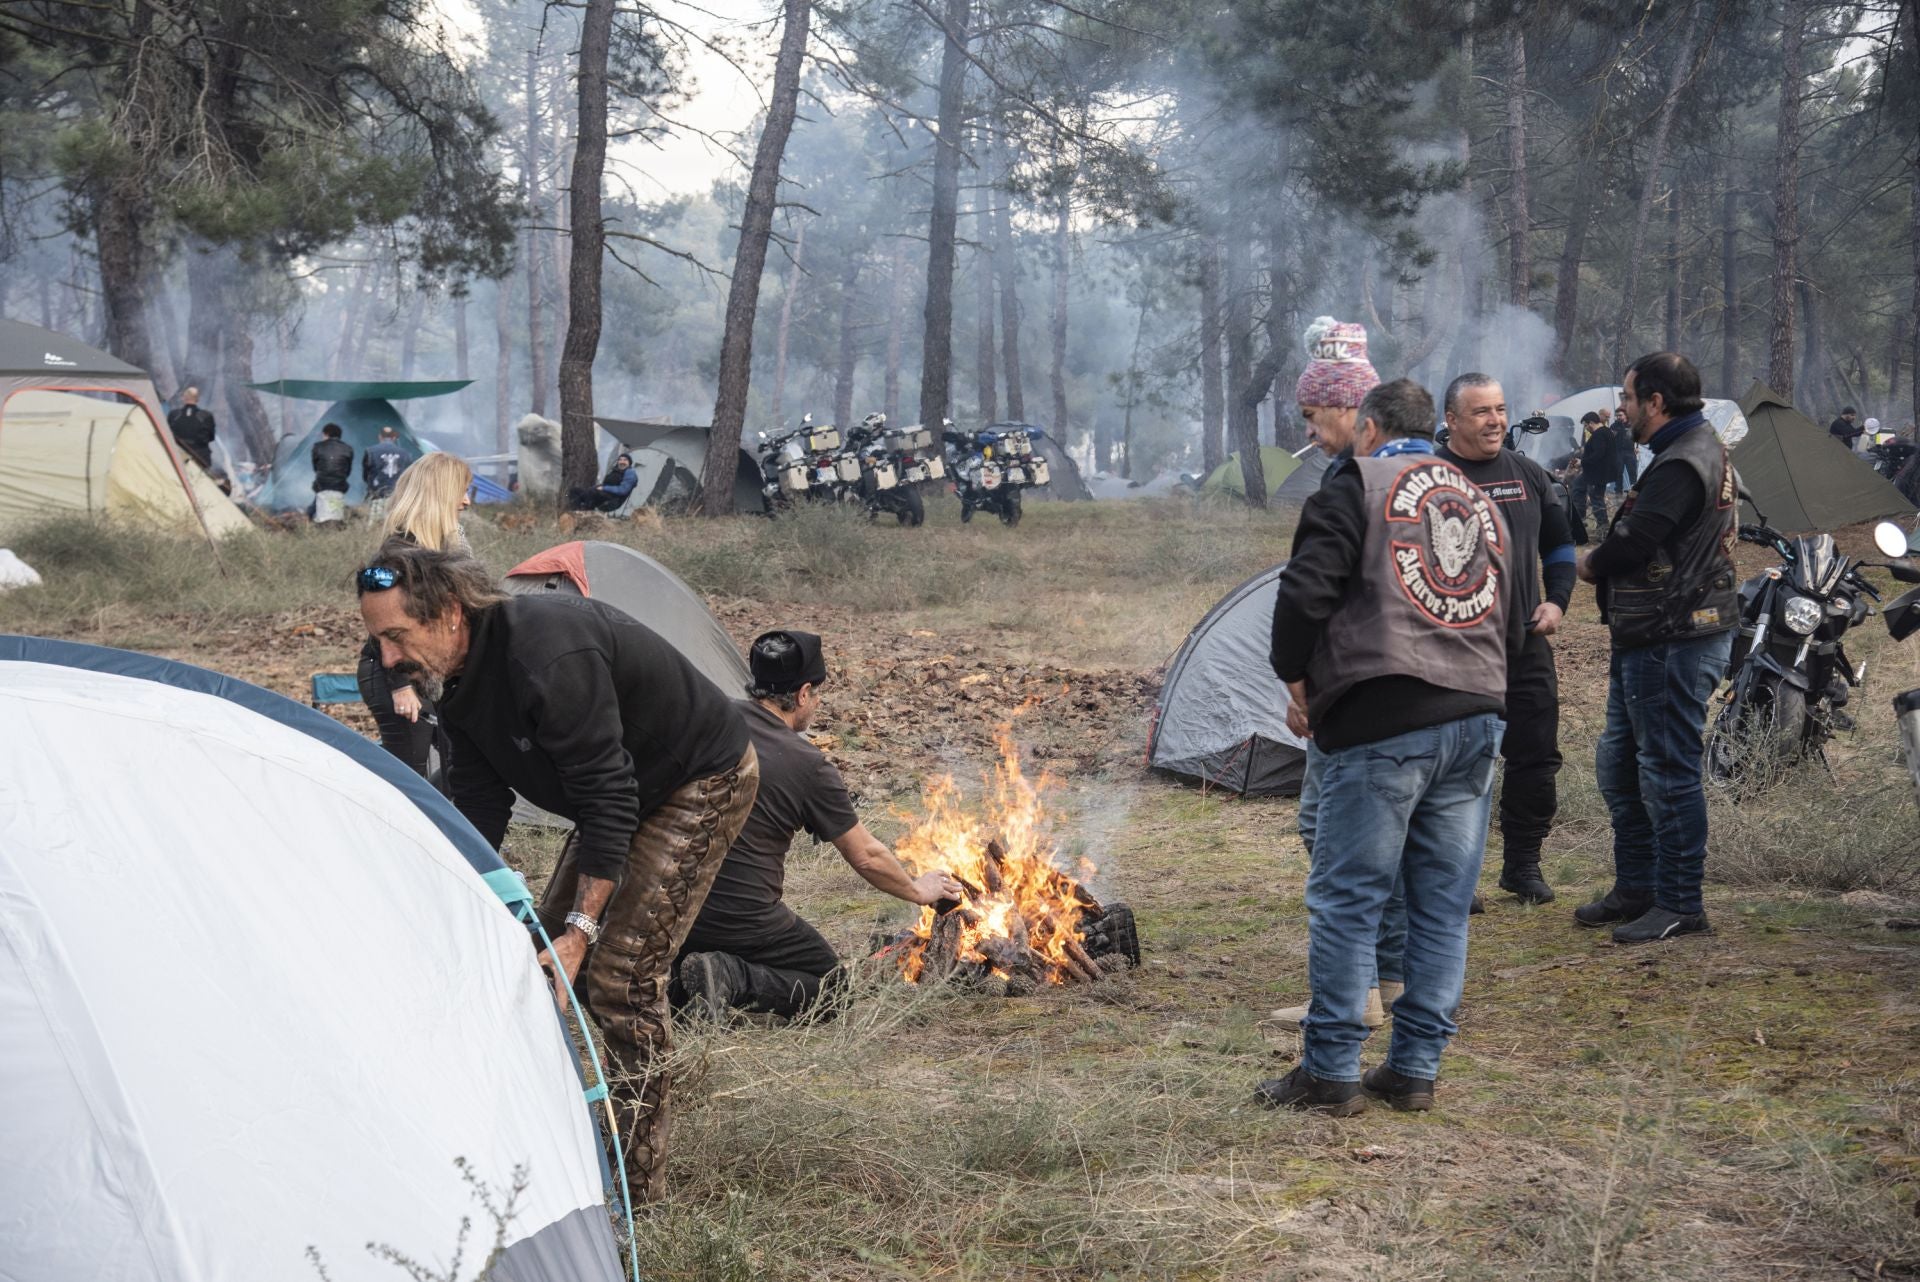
column 229, row 1043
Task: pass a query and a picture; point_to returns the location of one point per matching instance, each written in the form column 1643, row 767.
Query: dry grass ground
column 1745, row 1105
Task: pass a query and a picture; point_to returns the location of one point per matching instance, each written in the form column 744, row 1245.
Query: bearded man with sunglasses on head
column 587, row 713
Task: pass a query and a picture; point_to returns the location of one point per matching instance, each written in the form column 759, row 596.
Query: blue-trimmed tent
column 361, row 409
column 235, row 1032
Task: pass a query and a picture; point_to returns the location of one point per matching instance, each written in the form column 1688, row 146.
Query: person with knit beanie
column 1337, row 378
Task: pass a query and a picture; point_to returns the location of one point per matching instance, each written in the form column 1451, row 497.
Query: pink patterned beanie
column 1338, row 373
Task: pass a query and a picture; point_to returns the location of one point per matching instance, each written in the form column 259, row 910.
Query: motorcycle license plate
column 915, row 473
column 884, row 477
column 847, row 468
column 822, row 439
column 989, row 478
column 824, row 474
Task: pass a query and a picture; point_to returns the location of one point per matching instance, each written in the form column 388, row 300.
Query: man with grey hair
column 1391, row 627
column 589, row 714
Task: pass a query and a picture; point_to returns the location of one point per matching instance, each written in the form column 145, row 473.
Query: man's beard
column 430, row 686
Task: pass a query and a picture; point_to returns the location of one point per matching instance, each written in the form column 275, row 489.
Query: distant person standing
column 1626, row 452
column 192, row 429
column 1668, row 594
column 1846, row 429
column 332, row 460
column 1599, row 468
column 381, row 466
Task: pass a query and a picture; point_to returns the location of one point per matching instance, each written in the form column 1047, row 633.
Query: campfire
column 1023, row 921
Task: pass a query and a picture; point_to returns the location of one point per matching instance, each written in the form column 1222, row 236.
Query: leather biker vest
column 1429, row 595
column 1688, row 589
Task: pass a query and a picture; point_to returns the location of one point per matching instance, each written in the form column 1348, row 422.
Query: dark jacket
column 1845, row 432
column 1679, row 584
column 193, row 432
column 381, row 466
column 1626, row 452
column 1599, row 458
column 620, row 483
column 332, row 464
column 585, row 712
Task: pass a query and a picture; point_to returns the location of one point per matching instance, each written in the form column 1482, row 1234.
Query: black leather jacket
column 332, row 464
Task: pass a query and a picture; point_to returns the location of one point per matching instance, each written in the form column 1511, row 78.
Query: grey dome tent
column 1221, row 717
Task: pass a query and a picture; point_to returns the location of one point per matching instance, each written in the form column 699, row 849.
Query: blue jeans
column 1411, row 809
column 1648, row 763
column 1392, row 942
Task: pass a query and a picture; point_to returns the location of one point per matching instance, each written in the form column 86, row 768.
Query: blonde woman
column 425, row 510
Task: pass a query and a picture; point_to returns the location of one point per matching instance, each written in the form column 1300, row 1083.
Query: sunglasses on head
column 377, row 578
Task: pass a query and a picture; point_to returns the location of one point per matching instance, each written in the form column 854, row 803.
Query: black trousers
column 1528, row 797
column 411, row 741
column 582, row 499
column 789, row 964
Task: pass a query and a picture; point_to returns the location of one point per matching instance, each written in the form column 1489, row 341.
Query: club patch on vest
column 1443, row 533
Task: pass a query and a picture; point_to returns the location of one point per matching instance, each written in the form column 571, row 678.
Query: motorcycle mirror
column 806, row 420
column 1890, row 539
column 1536, row 425
column 1904, row 573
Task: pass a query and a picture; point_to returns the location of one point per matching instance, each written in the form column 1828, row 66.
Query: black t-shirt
column 799, row 788
column 1523, row 492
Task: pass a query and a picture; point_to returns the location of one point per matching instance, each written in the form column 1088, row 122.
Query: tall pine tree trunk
column 1057, row 366
column 410, row 341
column 1677, row 78
column 1519, row 220
column 936, row 362
column 1674, row 282
column 530, row 185
column 896, row 297
column 578, row 464
column 1566, row 292
column 1243, row 415
column 245, row 410
column 1786, row 196
column 743, row 294
column 849, row 353
column 796, row 273
column 987, row 381
column 1730, row 293
column 1213, row 401
column 1007, row 269
column 502, row 367
column 1133, row 393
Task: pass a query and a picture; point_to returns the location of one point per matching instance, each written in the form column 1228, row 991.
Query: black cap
column 784, row 660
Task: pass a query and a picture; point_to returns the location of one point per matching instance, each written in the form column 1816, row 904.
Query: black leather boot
column 1520, row 877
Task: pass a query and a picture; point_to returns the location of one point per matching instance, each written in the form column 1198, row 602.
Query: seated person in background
column 613, row 490
column 747, row 948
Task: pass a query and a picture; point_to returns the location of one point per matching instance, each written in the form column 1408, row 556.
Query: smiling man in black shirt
column 748, row 949
column 1522, row 492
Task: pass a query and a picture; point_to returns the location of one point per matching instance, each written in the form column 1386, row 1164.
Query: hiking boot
column 1302, row 1090
column 1289, row 1017
column 1614, row 906
column 1398, row 1091
column 711, row 981
column 1520, row 877
column 1477, row 907
column 1660, row 923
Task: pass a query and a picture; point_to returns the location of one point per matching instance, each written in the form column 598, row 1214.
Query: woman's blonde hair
column 425, row 506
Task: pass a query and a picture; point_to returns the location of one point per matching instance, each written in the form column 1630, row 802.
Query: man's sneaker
column 1520, row 877
column 1614, row 906
column 1302, row 1090
column 711, row 981
column 1408, row 1094
column 1288, row 1018
column 1660, row 923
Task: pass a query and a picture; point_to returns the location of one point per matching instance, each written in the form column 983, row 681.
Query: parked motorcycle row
column 885, row 468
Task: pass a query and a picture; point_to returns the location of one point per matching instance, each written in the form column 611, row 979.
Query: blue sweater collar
column 1675, row 430
column 1404, row 445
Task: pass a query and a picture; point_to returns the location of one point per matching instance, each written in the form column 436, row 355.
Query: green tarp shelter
column 361, row 409
column 1802, row 478
column 1289, row 479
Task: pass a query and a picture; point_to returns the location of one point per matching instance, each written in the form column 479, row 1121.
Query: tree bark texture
column 1913, row 237
column 530, row 185
column 1730, row 293
column 1786, row 197
column 1213, row 401
column 1007, row 269
column 246, row 413
column 1133, row 392
column 1566, row 291
column 1243, row 418
column 743, row 294
column 578, row 464
column 849, row 352
column 987, row 380
column 462, row 361
column 1467, row 234
column 896, row 296
column 796, row 273
column 1677, row 79
column 502, row 367
column 936, row 364
column 1057, row 367
column 1519, row 224
column 1674, row 282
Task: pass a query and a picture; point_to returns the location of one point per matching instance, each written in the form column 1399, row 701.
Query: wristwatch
column 586, row 926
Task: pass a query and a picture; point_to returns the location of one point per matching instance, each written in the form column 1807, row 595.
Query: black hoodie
column 585, row 712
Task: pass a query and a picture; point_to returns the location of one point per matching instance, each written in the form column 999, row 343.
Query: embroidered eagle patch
column 1444, row 537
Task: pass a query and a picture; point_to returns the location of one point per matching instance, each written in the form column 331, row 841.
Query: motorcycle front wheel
column 909, row 507
column 1010, row 507
column 1758, row 735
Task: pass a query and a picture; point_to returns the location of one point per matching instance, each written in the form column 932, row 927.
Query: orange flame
column 1020, row 907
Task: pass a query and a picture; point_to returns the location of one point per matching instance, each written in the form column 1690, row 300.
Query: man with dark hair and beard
column 1391, row 628
column 1542, row 546
column 589, row 714
column 193, row 429
column 1668, row 594
column 748, row 950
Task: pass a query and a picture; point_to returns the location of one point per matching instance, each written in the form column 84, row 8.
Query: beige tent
column 65, row 452
column 102, row 404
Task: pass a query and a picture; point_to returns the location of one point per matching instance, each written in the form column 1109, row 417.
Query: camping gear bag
column 329, row 506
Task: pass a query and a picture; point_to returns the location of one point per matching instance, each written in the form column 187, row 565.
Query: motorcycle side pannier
column 847, row 468
column 884, row 477
column 1016, row 474
column 936, row 467
column 822, row 439
column 793, row 478
column 1040, row 471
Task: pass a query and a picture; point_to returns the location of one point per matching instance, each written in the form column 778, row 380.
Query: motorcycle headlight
column 1802, row 615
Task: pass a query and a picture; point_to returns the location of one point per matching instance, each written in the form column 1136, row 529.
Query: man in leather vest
column 1391, row 627
column 1668, row 595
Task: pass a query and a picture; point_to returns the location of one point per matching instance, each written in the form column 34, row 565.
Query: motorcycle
column 1791, row 680
column 1890, row 456
column 991, row 467
column 803, row 464
column 890, row 468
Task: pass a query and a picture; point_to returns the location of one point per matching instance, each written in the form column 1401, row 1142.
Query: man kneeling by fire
column 748, row 950
column 1392, row 629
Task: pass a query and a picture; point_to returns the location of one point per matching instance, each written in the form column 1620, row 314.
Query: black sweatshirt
column 1537, row 525
column 585, row 712
column 1326, row 551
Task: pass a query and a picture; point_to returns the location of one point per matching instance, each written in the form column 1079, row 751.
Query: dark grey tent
column 1304, row 481
column 1221, row 717
column 673, row 457
column 1802, row 478
column 1065, row 481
